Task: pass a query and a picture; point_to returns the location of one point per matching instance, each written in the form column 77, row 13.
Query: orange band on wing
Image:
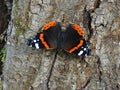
column 76, row 47
column 48, row 25
column 43, row 41
column 78, row 29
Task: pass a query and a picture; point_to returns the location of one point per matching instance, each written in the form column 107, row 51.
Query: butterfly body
column 52, row 37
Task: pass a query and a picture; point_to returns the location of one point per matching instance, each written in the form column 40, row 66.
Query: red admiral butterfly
column 51, row 37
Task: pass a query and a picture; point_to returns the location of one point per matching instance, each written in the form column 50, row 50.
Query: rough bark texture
column 28, row 69
column 5, row 13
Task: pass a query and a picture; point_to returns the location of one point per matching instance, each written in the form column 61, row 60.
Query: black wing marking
column 52, row 34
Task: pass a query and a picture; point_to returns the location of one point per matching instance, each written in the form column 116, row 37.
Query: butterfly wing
column 74, row 42
column 47, row 39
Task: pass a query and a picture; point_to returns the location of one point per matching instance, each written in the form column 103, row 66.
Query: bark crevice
column 51, row 70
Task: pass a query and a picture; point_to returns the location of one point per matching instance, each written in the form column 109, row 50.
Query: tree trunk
column 29, row 69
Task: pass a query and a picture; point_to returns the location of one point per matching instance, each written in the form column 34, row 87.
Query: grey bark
column 28, row 69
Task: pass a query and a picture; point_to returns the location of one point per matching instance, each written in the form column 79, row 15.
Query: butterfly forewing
column 47, row 38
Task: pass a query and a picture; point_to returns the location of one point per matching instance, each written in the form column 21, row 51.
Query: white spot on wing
column 81, row 52
column 85, row 49
column 34, row 40
column 36, row 45
column 37, row 39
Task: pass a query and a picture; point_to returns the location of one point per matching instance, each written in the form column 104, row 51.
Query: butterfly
column 52, row 37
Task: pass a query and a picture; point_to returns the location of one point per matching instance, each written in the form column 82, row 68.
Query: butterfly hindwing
column 73, row 40
column 70, row 38
column 51, row 35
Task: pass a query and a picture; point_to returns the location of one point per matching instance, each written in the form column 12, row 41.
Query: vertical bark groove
column 50, row 71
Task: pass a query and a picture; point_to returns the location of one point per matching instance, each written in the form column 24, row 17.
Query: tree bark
column 29, row 69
